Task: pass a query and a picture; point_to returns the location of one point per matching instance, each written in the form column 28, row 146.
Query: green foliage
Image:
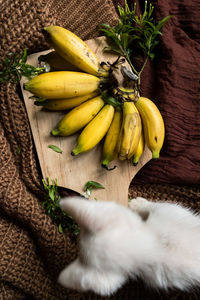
column 51, row 205
column 14, row 67
column 134, row 31
column 55, row 148
column 90, row 185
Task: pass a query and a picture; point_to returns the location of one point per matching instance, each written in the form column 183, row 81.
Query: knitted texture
column 32, row 252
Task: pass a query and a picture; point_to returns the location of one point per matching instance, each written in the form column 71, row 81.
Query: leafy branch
column 14, row 67
column 133, row 31
column 51, row 205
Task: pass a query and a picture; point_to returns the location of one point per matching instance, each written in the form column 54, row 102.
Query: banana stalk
column 153, row 125
column 73, row 49
column 64, row 104
column 62, row 84
column 110, row 143
column 78, row 117
column 94, row 132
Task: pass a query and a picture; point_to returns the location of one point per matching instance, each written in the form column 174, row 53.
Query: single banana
column 153, row 125
column 73, row 49
column 64, row 104
column 139, row 150
column 62, row 84
column 58, row 63
column 129, row 131
column 93, row 133
column 78, row 117
column 110, row 143
column 136, row 137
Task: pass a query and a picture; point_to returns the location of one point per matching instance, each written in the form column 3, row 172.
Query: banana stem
column 141, row 70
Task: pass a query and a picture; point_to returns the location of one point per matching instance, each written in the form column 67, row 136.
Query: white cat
column 158, row 242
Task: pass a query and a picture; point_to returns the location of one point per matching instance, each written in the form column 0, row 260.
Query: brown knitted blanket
column 32, row 252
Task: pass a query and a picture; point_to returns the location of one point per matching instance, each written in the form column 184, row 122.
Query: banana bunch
column 75, row 84
column 141, row 123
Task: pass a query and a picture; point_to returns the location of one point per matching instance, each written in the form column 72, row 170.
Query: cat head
column 106, row 244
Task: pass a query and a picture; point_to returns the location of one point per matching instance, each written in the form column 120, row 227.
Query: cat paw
column 140, row 206
column 138, row 203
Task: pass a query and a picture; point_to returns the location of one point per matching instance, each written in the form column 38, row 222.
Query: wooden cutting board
column 74, row 172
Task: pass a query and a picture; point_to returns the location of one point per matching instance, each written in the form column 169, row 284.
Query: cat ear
column 83, row 211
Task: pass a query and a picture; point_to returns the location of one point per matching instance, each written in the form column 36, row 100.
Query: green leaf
column 24, row 56
column 162, row 22
column 110, row 100
column 60, row 229
column 124, row 40
column 53, row 210
column 52, row 194
column 55, row 148
column 90, row 185
column 14, row 67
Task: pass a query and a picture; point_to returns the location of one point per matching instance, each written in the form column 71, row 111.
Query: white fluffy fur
column 158, row 242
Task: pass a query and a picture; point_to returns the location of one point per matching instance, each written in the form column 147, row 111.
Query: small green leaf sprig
column 134, row 31
column 14, row 67
column 51, row 205
column 91, row 185
column 55, row 148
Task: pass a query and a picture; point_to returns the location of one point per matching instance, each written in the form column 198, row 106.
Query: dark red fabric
column 172, row 81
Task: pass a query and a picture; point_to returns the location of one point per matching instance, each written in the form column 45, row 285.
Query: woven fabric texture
column 32, row 252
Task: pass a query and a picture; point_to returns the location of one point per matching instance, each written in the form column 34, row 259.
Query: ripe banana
column 129, row 132
column 153, row 125
column 73, row 49
column 93, row 133
column 64, row 104
column 62, row 84
column 139, row 150
column 58, row 63
column 110, row 143
column 136, row 137
column 78, row 117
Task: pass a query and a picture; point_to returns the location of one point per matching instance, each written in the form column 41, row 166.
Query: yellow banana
column 139, row 150
column 110, row 143
column 78, row 117
column 136, row 137
column 73, row 49
column 62, row 84
column 153, row 125
column 58, row 63
column 93, row 133
column 64, row 104
column 129, row 130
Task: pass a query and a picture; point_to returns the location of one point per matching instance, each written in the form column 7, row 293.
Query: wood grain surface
column 74, row 172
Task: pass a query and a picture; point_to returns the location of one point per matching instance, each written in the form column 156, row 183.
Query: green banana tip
column 105, row 166
column 155, row 155
column 75, row 152
column 135, row 163
column 55, row 132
